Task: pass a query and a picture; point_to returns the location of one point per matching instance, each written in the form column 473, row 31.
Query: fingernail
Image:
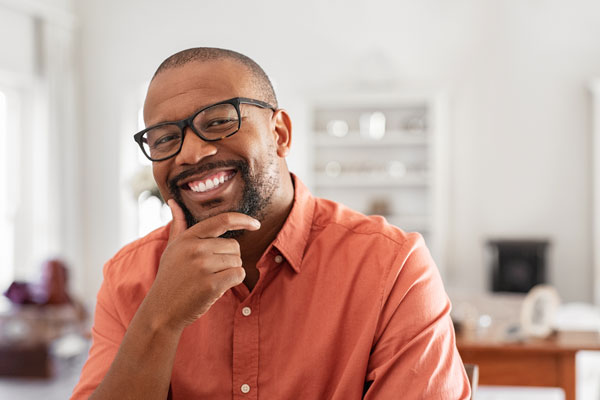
column 256, row 223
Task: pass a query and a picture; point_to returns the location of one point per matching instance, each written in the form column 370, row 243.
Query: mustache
column 173, row 183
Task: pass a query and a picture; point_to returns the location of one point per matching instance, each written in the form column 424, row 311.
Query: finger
column 230, row 277
column 222, row 262
column 219, row 224
column 225, row 246
column 179, row 224
column 209, row 246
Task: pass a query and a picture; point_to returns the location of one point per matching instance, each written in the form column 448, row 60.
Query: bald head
column 259, row 78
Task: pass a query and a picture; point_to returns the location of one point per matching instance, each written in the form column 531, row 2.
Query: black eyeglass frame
column 187, row 122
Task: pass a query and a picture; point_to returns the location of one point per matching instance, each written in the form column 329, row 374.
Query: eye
column 221, row 121
column 165, row 139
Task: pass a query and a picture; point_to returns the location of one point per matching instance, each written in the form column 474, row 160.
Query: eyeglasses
column 215, row 122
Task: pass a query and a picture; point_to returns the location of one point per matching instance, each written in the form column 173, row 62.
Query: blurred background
column 469, row 121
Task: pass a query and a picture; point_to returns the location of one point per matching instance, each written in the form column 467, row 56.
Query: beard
column 258, row 190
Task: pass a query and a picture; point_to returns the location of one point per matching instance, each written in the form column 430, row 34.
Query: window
column 39, row 166
column 6, row 213
column 152, row 213
column 141, row 210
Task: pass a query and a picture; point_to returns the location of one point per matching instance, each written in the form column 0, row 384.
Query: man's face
column 240, row 173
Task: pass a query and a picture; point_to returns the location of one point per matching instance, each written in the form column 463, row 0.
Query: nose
column 194, row 149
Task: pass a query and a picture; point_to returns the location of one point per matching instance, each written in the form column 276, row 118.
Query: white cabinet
column 385, row 154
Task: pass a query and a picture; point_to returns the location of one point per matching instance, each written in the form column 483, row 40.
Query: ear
column 281, row 125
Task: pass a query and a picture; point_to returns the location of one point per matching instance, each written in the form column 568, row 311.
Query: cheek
column 257, row 143
column 160, row 173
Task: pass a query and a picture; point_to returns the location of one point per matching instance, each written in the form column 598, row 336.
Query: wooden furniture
column 27, row 333
column 25, row 360
column 533, row 362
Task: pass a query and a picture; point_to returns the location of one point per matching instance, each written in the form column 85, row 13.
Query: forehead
column 177, row 92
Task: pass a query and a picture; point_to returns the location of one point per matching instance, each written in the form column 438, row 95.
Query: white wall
column 515, row 70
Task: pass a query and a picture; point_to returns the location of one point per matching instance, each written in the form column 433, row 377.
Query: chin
column 197, row 212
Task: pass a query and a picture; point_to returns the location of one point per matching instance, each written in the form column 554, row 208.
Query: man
column 256, row 289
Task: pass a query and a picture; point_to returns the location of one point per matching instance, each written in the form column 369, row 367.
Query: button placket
column 245, row 350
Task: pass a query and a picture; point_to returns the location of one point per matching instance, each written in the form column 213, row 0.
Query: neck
column 253, row 244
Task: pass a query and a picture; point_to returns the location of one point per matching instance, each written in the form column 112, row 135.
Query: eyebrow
column 174, row 121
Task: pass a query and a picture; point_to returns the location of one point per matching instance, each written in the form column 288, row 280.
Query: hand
column 197, row 266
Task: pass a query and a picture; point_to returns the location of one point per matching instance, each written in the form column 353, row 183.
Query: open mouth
column 210, row 182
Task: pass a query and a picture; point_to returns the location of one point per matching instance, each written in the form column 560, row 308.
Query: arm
column 143, row 364
column 414, row 351
column 131, row 348
column 107, row 334
column 195, row 270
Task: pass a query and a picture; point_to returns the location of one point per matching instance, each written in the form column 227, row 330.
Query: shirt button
column 278, row 259
column 245, row 388
column 246, row 311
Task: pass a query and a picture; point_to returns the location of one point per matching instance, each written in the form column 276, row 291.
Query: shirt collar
column 293, row 237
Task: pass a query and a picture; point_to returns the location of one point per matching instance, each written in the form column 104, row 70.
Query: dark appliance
column 517, row 265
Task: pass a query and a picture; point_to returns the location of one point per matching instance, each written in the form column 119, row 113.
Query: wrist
column 157, row 321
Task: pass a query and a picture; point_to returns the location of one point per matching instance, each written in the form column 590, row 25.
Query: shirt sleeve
column 107, row 334
column 414, row 353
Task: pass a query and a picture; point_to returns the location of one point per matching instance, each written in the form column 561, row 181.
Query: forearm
column 195, row 269
column 143, row 365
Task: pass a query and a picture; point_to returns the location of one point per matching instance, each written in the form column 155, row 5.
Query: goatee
column 256, row 196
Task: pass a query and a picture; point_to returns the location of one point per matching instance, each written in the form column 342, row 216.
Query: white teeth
column 209, row 184
column 200, row 187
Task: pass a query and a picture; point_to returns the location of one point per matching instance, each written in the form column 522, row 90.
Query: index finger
column 217, row 225
column 179, row 224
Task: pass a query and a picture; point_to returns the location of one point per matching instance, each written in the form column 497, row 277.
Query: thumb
column 179, row 224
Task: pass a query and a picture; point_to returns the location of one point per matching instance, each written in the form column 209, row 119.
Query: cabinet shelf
column 368, row 181
column 353, row 139
column 402, row 175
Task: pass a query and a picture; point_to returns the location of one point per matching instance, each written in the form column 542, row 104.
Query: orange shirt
column 345, row 304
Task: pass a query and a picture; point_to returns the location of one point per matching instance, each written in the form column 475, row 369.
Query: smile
column 211, row 182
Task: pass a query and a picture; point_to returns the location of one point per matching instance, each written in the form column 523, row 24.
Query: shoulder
column 364, row 245
column 379, row 261
column 369, row 245
column 333, row 216
column 139, row 255
column 155, row 238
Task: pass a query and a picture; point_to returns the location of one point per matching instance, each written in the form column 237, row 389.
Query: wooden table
column 534, row 362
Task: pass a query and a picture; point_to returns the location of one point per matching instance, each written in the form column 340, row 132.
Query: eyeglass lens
column 214, row 123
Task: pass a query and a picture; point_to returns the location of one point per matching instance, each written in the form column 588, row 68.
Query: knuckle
column 200, row 247
column 197, row 252
column 231, row 261
column 233, row 277
column 234, row 244
column 238, row 274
